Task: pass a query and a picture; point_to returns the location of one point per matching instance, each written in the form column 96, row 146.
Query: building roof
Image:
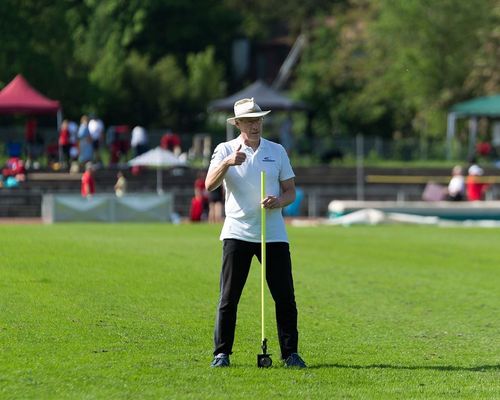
column 266, row 97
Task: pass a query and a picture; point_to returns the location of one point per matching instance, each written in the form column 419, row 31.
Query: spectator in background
column 117, row 138
column 88, row 181
column 483, row 147
column 73, row 132
column 199, row 183
column 139, row 141
column 171, row 141
column 456, row 187
column 199, row 202
column 215, row 205
column 85, row 149
column 14, row 169
column 476, row 189
column 495, row 142
column 73, row 150
column 64, row 143
column 96, row 130
column 196, row 210
column 120, row 185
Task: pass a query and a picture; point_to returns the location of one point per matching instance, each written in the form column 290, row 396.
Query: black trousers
column 236, row 259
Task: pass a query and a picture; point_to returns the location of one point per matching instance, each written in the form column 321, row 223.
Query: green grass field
column 126, row 311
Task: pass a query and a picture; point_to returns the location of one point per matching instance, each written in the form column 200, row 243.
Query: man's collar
column 239, row 141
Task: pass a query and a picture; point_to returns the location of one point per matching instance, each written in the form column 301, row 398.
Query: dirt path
column 20, row 221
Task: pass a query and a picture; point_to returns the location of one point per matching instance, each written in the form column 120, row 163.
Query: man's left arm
column 287, row 192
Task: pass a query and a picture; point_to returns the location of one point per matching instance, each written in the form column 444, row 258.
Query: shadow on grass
column 479, row 368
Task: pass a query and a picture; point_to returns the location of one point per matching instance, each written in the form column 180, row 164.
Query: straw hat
column 246, row 108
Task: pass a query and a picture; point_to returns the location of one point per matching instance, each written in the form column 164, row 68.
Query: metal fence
column 403, row 149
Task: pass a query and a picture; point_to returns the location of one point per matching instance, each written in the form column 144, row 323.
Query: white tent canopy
column 160, row 159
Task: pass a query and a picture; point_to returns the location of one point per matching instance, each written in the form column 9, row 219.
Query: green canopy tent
column 488, row 106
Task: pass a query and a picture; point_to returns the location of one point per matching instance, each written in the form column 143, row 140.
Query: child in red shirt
column 475, row 188
column 88, row 181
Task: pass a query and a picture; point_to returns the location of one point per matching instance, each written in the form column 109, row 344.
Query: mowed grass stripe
column 127, row 310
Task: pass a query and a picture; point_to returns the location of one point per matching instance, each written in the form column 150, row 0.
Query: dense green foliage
column 378, row 67
column 383, row 66
column 127, row 311
column 129, row 62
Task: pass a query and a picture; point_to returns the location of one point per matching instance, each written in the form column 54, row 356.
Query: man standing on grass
column 237, row 164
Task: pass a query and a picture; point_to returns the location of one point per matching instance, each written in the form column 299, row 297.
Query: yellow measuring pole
column 263, row 242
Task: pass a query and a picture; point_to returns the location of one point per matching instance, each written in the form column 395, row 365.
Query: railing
column 402, row 149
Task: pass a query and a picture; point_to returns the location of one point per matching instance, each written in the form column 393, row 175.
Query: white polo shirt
column 242, row 185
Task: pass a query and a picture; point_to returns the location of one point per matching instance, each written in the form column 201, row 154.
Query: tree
column 139, row 55
column 205, row 83
column 264, row 18
column 36, row 42
column 484, row 77
column 172, row 91
column 426, row 48
column 384, row 66
column 333, row 70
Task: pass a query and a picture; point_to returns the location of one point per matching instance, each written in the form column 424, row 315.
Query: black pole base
column 264, row 360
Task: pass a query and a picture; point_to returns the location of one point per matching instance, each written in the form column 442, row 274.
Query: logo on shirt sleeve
column 268, row 159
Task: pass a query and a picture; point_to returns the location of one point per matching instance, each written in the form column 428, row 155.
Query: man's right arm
column 216, row 175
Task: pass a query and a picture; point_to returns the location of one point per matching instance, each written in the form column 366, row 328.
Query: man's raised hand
column 237, row 158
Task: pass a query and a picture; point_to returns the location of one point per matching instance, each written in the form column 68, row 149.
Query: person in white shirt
column 456, row 186
column 139, row 140
column 237, row 165
column 96, row 130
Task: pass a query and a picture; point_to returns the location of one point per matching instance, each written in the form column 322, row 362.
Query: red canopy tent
column 19, row 97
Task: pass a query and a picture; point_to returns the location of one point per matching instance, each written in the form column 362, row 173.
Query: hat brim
column 232, row 120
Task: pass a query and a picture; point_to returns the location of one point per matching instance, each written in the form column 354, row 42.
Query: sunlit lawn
column 127, row 310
